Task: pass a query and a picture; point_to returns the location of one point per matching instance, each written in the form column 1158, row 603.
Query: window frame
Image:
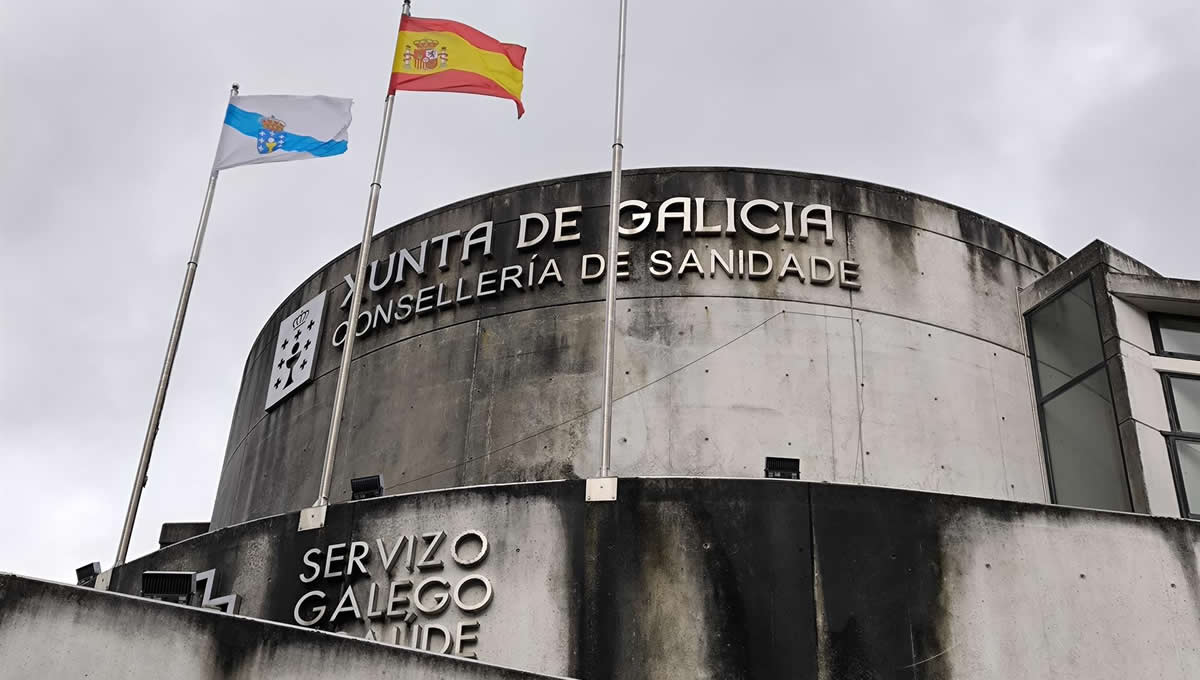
column 1172, row 411
column 1040, row 400
column 1038, row 397
column 1185, row 509
column 1156, row 330
column 1175, row 435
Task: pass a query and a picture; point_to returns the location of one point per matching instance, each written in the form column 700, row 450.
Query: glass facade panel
column 1086, row 463
column 1186, row 394
column 1066, row 337
column 1188, row 453
column 1179, row 335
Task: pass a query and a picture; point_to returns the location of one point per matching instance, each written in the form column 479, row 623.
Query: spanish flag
column 436, row 55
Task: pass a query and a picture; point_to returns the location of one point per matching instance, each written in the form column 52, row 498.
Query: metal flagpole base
column 601, row 489
column 312, row 518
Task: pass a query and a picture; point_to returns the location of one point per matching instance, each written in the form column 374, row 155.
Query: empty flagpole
column 339, row 398
column 164, row 379
column 614, row 210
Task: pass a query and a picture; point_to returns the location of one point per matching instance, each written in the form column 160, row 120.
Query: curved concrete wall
column 115, row 637
column 705, row 578
column 916, row 379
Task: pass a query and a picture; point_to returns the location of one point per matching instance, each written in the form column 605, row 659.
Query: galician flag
column 438, row 55
column 275, row 128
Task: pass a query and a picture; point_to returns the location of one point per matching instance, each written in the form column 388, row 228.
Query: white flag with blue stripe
column 274, row 128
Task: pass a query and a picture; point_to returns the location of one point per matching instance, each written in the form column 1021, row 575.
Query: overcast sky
column 1069, row 121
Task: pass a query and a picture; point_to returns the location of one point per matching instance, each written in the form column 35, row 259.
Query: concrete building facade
column 910, row 370
column 983, row 458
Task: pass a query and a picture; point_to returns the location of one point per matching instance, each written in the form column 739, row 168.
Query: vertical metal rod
column 164, row 379
column 339, row 398
column 614, row 210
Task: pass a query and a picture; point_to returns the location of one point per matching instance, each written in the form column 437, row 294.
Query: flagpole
column 317, row 520
column 614, row 209
column 164, row 379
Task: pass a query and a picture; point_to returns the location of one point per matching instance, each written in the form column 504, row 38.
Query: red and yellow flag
column 436, row 55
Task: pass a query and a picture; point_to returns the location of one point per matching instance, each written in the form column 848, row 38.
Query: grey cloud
column 1069, row 121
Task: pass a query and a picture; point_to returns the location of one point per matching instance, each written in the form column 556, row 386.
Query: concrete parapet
column 48, row 630
column 724, row 578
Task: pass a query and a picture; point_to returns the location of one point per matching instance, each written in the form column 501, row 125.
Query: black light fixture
column 178, row 587
column 782, row 468
column 366, row 487
column 86, row 575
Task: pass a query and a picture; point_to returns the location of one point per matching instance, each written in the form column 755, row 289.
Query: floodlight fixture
column 782, row 468
column 86, row 575
column 178, row 587
column 366, row 487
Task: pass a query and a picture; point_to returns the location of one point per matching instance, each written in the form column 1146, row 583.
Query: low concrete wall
column 685, row 578
column 48, row 630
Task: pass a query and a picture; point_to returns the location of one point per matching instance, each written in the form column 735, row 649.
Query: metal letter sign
column 295, row 350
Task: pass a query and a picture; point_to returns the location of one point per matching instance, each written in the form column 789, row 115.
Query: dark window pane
column 1066, row 337
column 1179, row 335
column 1189, row 470
column 1085, row 453
column 1186, row 392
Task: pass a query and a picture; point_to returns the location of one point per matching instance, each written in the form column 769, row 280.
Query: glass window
column 1185, row 393
column 1178, row 335
column 1086, row 464
column 1079, row 426
column 1183, row 401
column 1187, row 453
column 1066, row 337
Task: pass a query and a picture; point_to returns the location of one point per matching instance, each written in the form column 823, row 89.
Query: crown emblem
column 300, row 319
column 425, row 44
column 273, row 124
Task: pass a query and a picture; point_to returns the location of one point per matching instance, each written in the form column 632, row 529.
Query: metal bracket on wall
column 312, row 518
column 601, row 489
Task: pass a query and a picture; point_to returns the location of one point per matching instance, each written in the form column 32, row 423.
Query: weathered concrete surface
column 1157, row 293
column 687, row 578
column 174, row 532
column 1141, row 407
column 48, row 630
column 1102, row 598
column 918, row 379
column 1093, row 255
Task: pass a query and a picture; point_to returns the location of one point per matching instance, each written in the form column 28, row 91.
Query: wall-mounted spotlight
column 169, row 586
column 366, row 487
column 86, row 575
column 782, row 468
